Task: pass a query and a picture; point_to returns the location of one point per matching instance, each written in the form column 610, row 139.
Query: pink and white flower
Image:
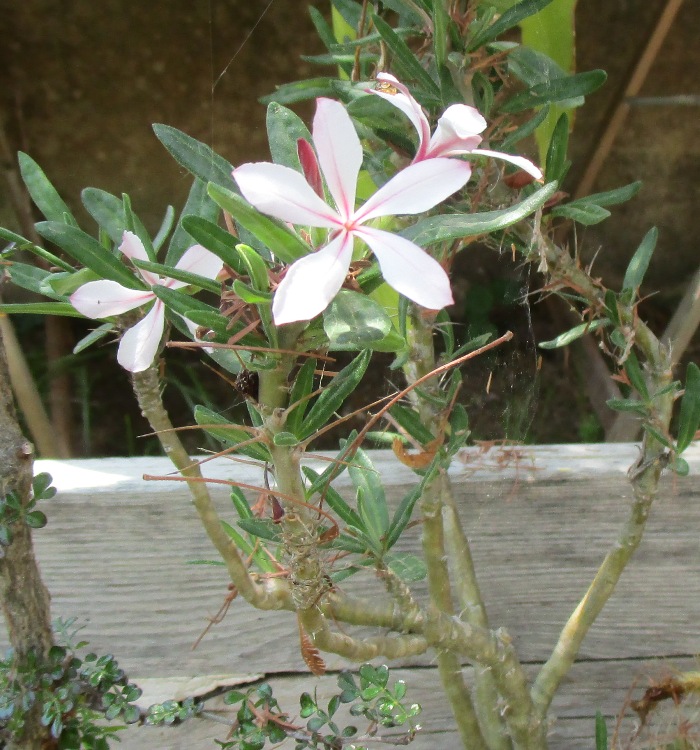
column 102, row 299
column 313, row 281
column 457, row 131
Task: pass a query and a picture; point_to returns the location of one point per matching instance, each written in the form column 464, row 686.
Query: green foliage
column 13, row 510
column 260, row 721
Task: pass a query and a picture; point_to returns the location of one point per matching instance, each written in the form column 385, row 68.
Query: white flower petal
column 133, row 248
column 408, row 105
column 312, row 281
column 339, row 152
column 408, row 269
column 417, row 188
column 199, row 260
column 283, row 193
column 102, row 299
column 519, row 161
column 140, row 343
column 456, row 132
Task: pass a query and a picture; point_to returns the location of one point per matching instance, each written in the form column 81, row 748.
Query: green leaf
column 525, row 130
column 409, row 568
column 556, row 164
column 310, row 88
column 575, row 333
column 410, row 421
column 250, row 295
column 41, row 308
column 301, row 388
column 219, row 241
column 187, row 277
column 22, row 243
column 601, row 732
column 198, row 204
column 556, row 90
column 285, row 439
column 627, row 405
column 354, row 321
column 165, row 228
column 108, row 211
column 610, row 197
column 657, row 435
column 99, row 333
column 640, row 261
column 284, row 129
column 32, row 278
column 512, row 17
column 406, row 66
column 636, row 376
column 448, row 227
column 282, row 242
column 255, row 266
column 195, row 156
column 43, row 193
column 36, row 519
column 334, row 500
column 264, row 528
column 88, row 251
column 333, row 395
column 680, row 466
column 583, row 213
column 229, row 433
column 64, row 284
column 371, row 499
column 180, row 302
column 689, row 416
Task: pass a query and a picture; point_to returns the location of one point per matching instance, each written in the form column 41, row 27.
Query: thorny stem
column 644, row 476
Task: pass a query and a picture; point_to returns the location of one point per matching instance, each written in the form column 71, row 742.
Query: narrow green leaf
column 284, row 129
column 627, row 405
column 240, row 503
column 310, row 88
column 410, row 421
column 371, row 499
column 689, row 416
column 556, row 164
column 99, row 333
column 198, row 204
column 610, row 197
column 512, row 17
column 32, row 279
column 323, row 29
column 525, row 130
column 409, row 568
column 165, row 228
column 301, row 388
column 640, row 261
column 334, row 500
column 43, row 193
column 250, row 295
column 195, row 156
column 89, row 252
column 214, row 238
column 556, row 90
column 22, row 243
column 406, row 65
column 178, row 274
column 41, row 308
column 333, row 395
column 282, row 242
column 229, row 433
column 354, row 321
column 180, row 302
column 601, row 732
column 264, row 528
column 583, row 213
column 636, row 376
column 448, row 227
column 575, row 333
column 657, row 435
column 255, row 266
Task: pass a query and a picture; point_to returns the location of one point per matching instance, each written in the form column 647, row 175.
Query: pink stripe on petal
column 417, row 188
column 339, row 152
column 312, row 282
column 408, row 269
column 139, row 345
column 283, row 193
column 102, row 299
column 519, row 161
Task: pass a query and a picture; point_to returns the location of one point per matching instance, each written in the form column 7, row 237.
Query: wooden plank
column 591, row 686
column 115, row 553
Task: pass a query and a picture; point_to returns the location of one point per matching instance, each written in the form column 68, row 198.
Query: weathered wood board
column 115, row 555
